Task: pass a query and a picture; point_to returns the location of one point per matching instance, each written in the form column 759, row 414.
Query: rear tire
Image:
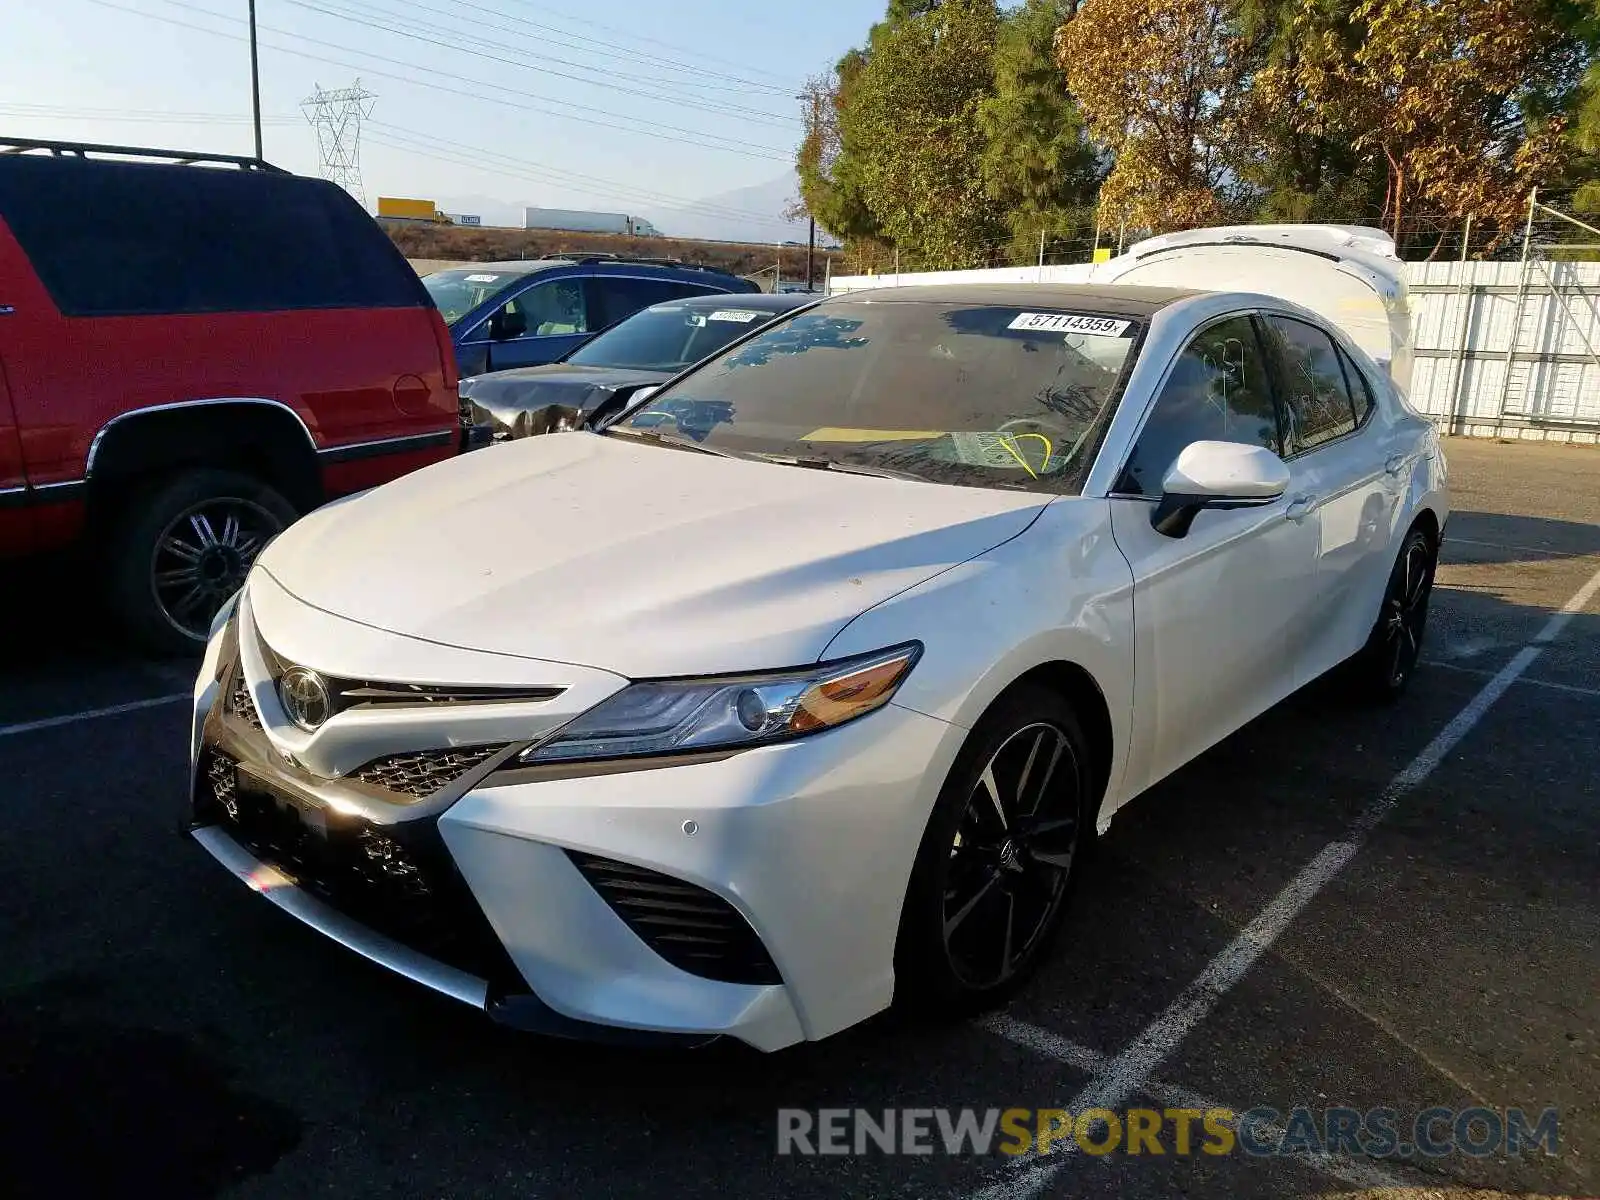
column 1382, row 669
column 183, row 547
column 999, row 858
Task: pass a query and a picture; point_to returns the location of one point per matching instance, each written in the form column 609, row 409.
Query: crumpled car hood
column 507, row 398
column 641, row 559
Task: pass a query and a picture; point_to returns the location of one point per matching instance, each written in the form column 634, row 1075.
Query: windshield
column 668, row 336
column 979, row 395
column 456, row 293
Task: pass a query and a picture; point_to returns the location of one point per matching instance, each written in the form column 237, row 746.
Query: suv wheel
column 184, row 547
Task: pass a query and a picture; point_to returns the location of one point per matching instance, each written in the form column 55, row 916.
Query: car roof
column 754, row 301
column 527, row 266
column 1122, row 301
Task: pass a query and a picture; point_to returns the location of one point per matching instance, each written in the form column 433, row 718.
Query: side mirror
column 1217, row 475
column 607, row 409
column 504, row 324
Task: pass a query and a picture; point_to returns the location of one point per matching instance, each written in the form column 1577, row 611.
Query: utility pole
column 255, row 80
column 1041, row 249
column 811, row 254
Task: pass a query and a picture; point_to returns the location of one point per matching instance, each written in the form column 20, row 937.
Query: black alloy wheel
column 1012, row 852
column 999, row 857
column 1405, row 610
column 1387, row 662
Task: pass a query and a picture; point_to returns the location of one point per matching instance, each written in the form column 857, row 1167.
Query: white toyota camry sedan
column 805, row 686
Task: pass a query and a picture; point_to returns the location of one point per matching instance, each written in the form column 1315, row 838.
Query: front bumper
column 810, row 842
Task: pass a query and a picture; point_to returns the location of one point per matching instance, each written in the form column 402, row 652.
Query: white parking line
column 90, row 714
column 1125, row 1075
column 1354, row 1172
column 1570, row 688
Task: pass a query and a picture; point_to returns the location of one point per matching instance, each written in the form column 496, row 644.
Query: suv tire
column 183, row 547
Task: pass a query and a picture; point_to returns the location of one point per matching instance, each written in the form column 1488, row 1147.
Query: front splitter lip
column 281, row 890
column 523, row 1011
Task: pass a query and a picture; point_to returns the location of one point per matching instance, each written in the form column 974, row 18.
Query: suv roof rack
column 11, row 145
column 599, row 256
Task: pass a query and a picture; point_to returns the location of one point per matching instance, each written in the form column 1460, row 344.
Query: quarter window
column 1218, row 391
column 1317, row 402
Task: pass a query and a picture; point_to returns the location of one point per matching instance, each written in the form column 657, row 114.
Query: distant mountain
column 749, row 214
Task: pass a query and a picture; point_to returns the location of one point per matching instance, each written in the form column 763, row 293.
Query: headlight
column 712, row 714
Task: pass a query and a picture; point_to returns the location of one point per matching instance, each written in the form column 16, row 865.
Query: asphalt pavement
column 1338, row 906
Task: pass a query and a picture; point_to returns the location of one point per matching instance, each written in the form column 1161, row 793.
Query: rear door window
column 1360, row 390
column 113, row 238
column 1317, row 405
column 621, row 296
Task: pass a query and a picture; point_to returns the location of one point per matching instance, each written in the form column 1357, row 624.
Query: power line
column 54, row 112
column 570, row 105
column 730, row 145
column 610, row 50
column 356, row 17
column 787, row 84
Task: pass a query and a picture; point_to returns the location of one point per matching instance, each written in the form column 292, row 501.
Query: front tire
column 1383, row 668
column 183, row 548
column 999, row 858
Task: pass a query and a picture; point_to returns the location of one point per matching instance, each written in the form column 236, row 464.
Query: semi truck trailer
column 579, row 221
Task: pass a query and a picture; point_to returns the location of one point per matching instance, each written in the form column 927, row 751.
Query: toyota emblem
column 305, row 698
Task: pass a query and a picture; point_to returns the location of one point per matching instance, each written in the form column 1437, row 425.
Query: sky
column 679, row 109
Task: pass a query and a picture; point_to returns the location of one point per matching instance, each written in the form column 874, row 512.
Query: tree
column 1165, row 88
column 1459, row 102
column 1304, row 173
column 1038, row 165
column 910, row 137
column 830, row 184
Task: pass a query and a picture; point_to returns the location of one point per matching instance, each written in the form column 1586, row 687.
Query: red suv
column 193, row 350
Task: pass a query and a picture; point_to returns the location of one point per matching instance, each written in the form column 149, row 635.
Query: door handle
column 1396, row 463
column 1300, row 507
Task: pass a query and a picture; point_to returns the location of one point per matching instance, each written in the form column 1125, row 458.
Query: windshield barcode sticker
column 1069, row 323
column 735, row 314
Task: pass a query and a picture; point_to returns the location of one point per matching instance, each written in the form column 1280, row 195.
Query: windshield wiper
column 817, row 463
column 662, row 439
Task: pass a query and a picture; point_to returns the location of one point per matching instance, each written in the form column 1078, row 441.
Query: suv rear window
column 114, row 239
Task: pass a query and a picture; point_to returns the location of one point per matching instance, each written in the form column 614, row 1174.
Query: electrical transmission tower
column 337, row 116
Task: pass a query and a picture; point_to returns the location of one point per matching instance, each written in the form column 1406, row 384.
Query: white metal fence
column 1503, row 349
column 1508, row 348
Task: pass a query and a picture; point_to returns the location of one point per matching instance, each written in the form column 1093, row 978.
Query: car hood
column 505, row 395
column 641, row 559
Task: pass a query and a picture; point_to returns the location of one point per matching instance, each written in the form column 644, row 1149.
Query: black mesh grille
column 693, row 929
column 424, row 772
column 240, row 703
column 396, row 879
